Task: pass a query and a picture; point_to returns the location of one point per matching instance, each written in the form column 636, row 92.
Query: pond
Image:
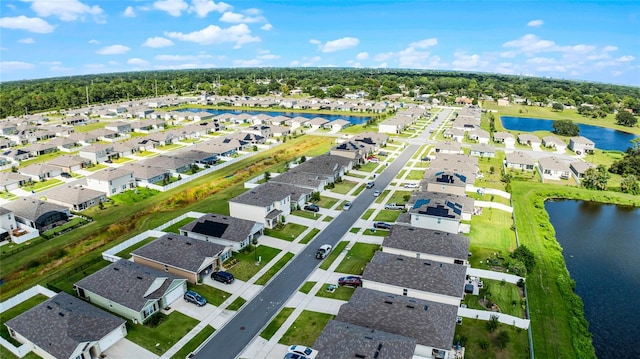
column 604, row 138
column 354, row 120
column 601, row 248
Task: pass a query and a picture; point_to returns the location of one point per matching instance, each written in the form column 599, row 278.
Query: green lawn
column 6, row 354
column 213, row 295
column 175, row 228
column 42, row 185
column 387, row 215
column 59, row 229
column 276, row 323
column 489, row 198
column 326, row 202
column 306, row 287
column 354, row 230
column 90, row 126
column 246, row 267
column 95, row 168
column 237, row 304
column 170, row 147
column 288, row 232
column 340, row 293
column 344, row 187
column 492, row 230
column 472, row 332
column 399, row 197
column 358, row 189
column 505, row 295
column 307, row 238
column 147, row 154
column 122, row 160
column 14, row 312
column 305, row 214
column 162, row 337
column 133, row 196
column 306, row 328
column 67, row 281
column 326, row 263
column 368, row 167
column 357, row 257
column 415, row 175
column 275, row 269
column 376, row 232
column 367, row 213
column 327, row 219
column 8, row 196
column 126, row 253
column 194, row 343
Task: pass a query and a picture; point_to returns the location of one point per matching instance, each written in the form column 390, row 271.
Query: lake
column 604, row 138
column 601, row 245
column 354, row 120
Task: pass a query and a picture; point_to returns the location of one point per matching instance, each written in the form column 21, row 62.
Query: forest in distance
column 51, row 94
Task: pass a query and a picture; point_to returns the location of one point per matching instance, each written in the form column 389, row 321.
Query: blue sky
column 588, row 40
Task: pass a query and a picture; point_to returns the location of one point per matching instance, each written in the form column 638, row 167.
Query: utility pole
column 86, row 90
column 156, row 81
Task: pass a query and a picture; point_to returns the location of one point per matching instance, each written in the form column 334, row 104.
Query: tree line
column 32, row 96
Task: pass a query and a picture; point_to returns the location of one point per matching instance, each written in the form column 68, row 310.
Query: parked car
column 223, row 277
column 346, row 206
column 411, row 185
column 323, row 251
column 351, row 280
column 370, row 184
column 312, row 207
column 302, row 350
column 394, row 206
column 376, row 193
column 426, row 158
column 294, row 356
column 66, row 174
column 373, row 159
column 195, row 298
column 381, row 225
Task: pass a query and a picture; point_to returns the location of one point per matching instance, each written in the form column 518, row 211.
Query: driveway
column 126, row 349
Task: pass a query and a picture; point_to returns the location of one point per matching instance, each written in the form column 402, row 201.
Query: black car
column 381, row 225
column 351, row 280
column 222, row 276
column 312, row 208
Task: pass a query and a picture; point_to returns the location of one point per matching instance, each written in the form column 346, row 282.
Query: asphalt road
column 229, row 341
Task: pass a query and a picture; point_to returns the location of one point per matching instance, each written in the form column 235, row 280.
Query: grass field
column 194, row 342
column 306, row 287
column 357, row 258
column 473, row 332
column 309, row 236
column 288, row 232
column 344, row 187
column 213, row 295
column 162, row 337
column 387, row 215
column 326, row 263
column 275, row 269
column 276, row 323
column 175, row 228
column 505, row 295
column 306, row 328
column 340, row 293
column 246, row 267
column 492, row 230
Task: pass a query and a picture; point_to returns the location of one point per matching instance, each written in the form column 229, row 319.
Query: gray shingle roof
column 402, row 315
column 180, row 252
column 63, row 322
column 467, row 203
column 345, row 340
column 519, row 157
column 126, row 283
column 111, row 173
column 427, row 241
column 450, row 178
column 420, row 274
column 32, row 208
column 221, row 226
column 266, row 193
column 74, row 195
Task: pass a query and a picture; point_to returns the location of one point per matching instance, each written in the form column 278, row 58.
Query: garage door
column 112, row 338
column 175, row 294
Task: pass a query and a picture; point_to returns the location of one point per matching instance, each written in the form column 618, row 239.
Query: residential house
column 427, row 244
column 431, row 324
column 346, row 340
column 316, row 123
column 528, row 140
column 83, row 138
column 227, row 231
column 77, row 198
column 202, row 158
column 396, row 124
column 145, row 174
column 68, row 163
column 11, row 180
column 119, row 127
column 64, row 144
column 314, row 174
column 579, row 168
column 449, row 147
column 415, row 277
column 15, row 154
column 483, row 150
column 182, row 256
column 131, row 290
column 519, row 160
column 376, row 140
column 64, row 326
column 259, row 130
column 39, row 149
column 436, row 213
column 267, row 203
column 34, row 213
column 337, row 125
column 553, row 168
column 175, row 165
column 298, row 121
column 554, row 142
column 40, row 171
column 504, row 137
column 479, row 135
column 465, row 203
column 447, row 181
column 454, row 133
column 7, row 224
column 353, row 150
column 280, row 131
column 104, row 134
column 98, row 153
column 581, row 145
column 112, row 180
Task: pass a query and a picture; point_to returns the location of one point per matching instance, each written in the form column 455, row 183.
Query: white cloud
column 10, row 66
column 610, row 48
column 66, row 10
column 129, row 12
column 626, row 58
column 541, row 60
column 212, row 34
column 423, row 44
column 171, row 7
column 362, row 56
column 138, row 62
column 310, row 61
column 247, row 63
column 509, row 54
column 294, row 63
column 203, row 7
column 32, row 24
column 266, row 27
column 236, row 18
column 113, row 50
column 157, row 42
column 336, row 45
column 530, row 44
column 535, row 23
column 382, row 65
column 383, row 56
column 175, row 58
column 26, row 40
column 268, row 57
column 94, row 42
column 464, row 61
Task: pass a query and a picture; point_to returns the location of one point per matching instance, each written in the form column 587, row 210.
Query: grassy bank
column 557, row 315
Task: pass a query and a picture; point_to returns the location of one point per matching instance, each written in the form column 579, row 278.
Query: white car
column 323, row 251
column 346, row 206
column 302, row 350
column 411, row 185
column 376, row 193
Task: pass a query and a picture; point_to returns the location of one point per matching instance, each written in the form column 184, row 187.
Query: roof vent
column 411, row 307
column 427, row 263
column 399, row 258
column 116, row 268
column 388, row 302
column 139, row 277
column 370, row 338
column 361, row 356
column 426, row 307
column 61, row 314
column 49, row 307
column 188, row 243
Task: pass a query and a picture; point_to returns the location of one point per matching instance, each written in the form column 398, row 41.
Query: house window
column 166, row 268
column 417, row 255
column 439, row 220
column 405, row 291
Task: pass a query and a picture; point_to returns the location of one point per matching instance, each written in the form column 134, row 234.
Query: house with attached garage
column 267, row 203
column 415, row 277
column 77, row 198
column 483, row 150
column 10, row 181
column 447, row 181
column 431, row 324
column 479, row 135
column 68, row 163
column 436, row 213
column 519, row 160
column 553, row 168
column 131, row 290
column 227, row 231
column 185, row 257
column 427, row 244
column 448, row 147
column 527, row 139
column 173, row 164
column 466, row 204
column 505, row 138
column 40, row 171
column 581, row 145
column 454, row 133
column 145, row 174
column 34, row 213
column 112, row 180
column 578, row 168
column 64, row 326
column 554, row 142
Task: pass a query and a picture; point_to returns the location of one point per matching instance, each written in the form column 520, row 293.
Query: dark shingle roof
column 221, row 226
column 267, row 193
column 74, row 195
column 63, row 322
column 427, row 241
column 430, row 323
column 126, row 283
column 420, row 274
column 32, row 208
column 179, row 251
column 346, row 340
